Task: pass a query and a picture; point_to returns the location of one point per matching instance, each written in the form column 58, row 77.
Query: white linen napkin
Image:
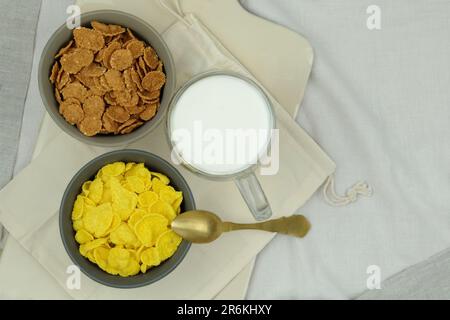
column 29, row 204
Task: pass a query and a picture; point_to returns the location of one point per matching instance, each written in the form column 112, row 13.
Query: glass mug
column 220, row 125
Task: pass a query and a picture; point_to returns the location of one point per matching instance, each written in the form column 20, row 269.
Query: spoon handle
column 296, row 226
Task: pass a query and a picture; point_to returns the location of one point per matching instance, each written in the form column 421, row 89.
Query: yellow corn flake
column 123, row 201
column 150, row 257
column 85, row 248
column 135, row 184
column 167, row 244
column 77, row 225
column 150, row 228
column 176, row 205
column 140, row 171
column 96, row 190
column 107, row 195
column 101, row 257
column 111, row 270
column 133, row 254
column 116, row 221
column 131, row 269
column 170, row 195
column 118, row 258
column 163, row 208
column 78, row 208
column 157, row 185
column 91, row 257
column 124, row 235
column 122, row 219
column 129, row 166
column 139, row 252
column 85, row 188
column 113, row 170
column 164, row 179
column 82, row 236
column 137, row 215
column 147, row 199
column 97, row 220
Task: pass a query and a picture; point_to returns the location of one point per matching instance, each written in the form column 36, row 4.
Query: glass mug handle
column 254, row 196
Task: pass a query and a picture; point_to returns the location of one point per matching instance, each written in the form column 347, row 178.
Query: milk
column 221, row 125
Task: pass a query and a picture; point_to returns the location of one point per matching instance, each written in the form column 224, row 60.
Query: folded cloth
column 18, row 21
column 303, row 168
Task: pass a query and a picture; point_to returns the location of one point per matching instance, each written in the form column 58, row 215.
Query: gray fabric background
column 427, row 280
column 18, row 20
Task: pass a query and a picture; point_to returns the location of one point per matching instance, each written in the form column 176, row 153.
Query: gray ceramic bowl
column 88, row 172
column 142, row 30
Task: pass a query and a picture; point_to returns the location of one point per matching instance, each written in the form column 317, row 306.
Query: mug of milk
column 220, row 126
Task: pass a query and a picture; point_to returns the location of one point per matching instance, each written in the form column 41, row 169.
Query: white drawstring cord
column 179, row 14
column 359, row 189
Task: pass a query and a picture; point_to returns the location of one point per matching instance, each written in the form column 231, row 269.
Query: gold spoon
column 203, row 226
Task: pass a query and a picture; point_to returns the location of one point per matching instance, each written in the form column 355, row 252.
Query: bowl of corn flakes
column 115, row 218
column 109, row 81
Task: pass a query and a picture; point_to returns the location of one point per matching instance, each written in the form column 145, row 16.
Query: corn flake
column 78, row 208
column 107, row 29
column 101, row 255
column 118, row 114
column 91, row 245
column 135, row 217
column 150, row 257
column 74, row 90
column 97, row 220
column 64, row 49
column 151, row 58
column 167, row 244
column 54, row 72
column 123, row 201
column 164, row 209
column 131, row 128
column 77, row 225
column 124, row 235
column 94, row 106
column 136, row 48
column 121, row 59
column 71, row 110
column 147, row 199
column 118, row 258
column 82, row 236
column 149, row 112
column 74, row 61
column 149, row 228
column 90, row 126
column 153, row 81
column 88, row 39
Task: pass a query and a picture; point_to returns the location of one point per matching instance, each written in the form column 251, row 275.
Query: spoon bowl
column 198, row 226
